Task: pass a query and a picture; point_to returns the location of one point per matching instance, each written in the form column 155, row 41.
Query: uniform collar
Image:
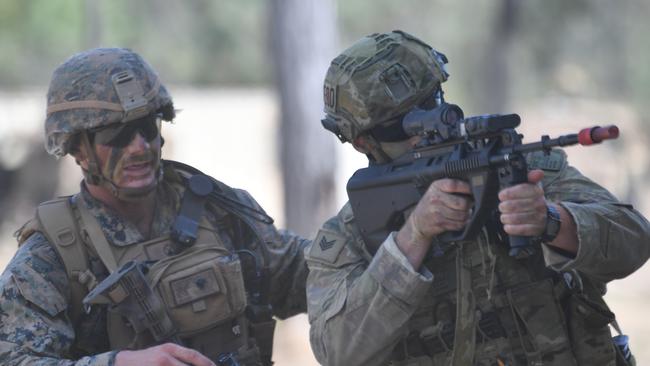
column 121, row 232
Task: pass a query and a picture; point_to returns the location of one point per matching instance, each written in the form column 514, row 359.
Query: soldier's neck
column 140, row 212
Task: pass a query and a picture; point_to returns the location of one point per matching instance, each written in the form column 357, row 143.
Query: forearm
column 359, row 321
column 365, row 335
column 288, row 274
column 614, row 240
column 31, row 336
column 567, row 237
column 34, row 326
column 13, row 354
column 412, row 244
column 280, row 253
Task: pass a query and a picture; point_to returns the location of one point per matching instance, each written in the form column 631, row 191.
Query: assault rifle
column 485, row 151
column 129, row 294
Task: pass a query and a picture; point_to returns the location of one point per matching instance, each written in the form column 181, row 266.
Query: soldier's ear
column 80, row 156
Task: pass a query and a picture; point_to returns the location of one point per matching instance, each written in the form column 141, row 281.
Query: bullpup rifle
column 485, row 151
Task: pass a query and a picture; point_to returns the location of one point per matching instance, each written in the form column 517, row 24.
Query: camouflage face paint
column 117, row 159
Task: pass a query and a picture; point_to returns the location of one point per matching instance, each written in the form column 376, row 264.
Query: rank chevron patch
column 325, row 244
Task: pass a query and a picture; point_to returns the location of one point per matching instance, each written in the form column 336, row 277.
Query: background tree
column 555, row 62
column 302, row 42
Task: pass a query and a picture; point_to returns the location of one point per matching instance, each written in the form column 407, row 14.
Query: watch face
column 553, row 223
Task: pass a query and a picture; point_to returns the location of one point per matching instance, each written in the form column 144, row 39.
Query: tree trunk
column 495, row 71
column 303, row 38
column 93, row 23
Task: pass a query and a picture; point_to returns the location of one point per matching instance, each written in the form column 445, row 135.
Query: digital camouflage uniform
column 220, row 291
column 35, row 328
column 470, row 303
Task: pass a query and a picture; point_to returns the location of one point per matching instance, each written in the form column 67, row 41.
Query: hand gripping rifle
column 485, row 151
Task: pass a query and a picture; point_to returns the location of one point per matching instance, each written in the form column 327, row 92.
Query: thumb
column 535, row 176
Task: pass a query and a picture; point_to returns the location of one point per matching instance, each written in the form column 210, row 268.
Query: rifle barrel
column 586, row 137
column 594, row 135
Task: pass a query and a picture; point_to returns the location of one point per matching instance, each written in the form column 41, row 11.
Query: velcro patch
column 329, row 96
column 552, row 162
column 327, row 246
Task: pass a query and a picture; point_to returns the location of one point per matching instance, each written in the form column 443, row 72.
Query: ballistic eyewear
column 121, row 134
column 390, row 131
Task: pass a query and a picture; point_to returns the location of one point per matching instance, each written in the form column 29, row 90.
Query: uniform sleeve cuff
column 555, row 260
column 392, row 270
column 558, row 261
column 111, row 358
column 102, row 359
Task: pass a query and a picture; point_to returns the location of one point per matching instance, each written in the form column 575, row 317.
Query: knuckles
column 450, row 185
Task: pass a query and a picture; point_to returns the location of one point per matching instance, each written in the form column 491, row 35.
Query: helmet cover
column 99, row 87
column 379, row 78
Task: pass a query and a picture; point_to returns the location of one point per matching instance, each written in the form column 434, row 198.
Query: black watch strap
column 553, row 223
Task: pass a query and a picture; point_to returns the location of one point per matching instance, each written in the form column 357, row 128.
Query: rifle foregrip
column 518, row 244
column 519, row 174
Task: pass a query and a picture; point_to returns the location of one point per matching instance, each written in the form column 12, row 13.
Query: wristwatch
column 553, row 223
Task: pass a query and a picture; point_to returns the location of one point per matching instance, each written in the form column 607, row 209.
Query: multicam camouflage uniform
column 470, row 303
column 41, row 318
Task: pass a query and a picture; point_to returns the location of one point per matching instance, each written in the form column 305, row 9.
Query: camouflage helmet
column 379, row 78
column 99, row 87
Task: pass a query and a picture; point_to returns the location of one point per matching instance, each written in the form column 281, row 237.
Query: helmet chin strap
column 94, row 176
column 374, row 150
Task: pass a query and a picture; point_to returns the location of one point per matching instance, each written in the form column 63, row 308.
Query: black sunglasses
column 389, row 132
column 121, row 134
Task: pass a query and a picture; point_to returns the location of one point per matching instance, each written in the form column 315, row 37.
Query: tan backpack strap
column 58, row 224
column 97, row 238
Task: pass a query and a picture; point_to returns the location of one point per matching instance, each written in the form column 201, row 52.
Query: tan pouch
column 202, row 287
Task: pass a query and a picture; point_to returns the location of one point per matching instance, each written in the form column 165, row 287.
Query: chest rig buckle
column 186, row 225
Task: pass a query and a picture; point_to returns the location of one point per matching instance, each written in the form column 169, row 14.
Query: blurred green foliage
column 198, row 42
column 595, row 48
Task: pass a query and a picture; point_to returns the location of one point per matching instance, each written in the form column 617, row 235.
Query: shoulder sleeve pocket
column 39, row 291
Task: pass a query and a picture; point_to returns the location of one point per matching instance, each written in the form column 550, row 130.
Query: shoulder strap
column 222, row 195
column 259, row 311
column 98, row 241
column 58, row 223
